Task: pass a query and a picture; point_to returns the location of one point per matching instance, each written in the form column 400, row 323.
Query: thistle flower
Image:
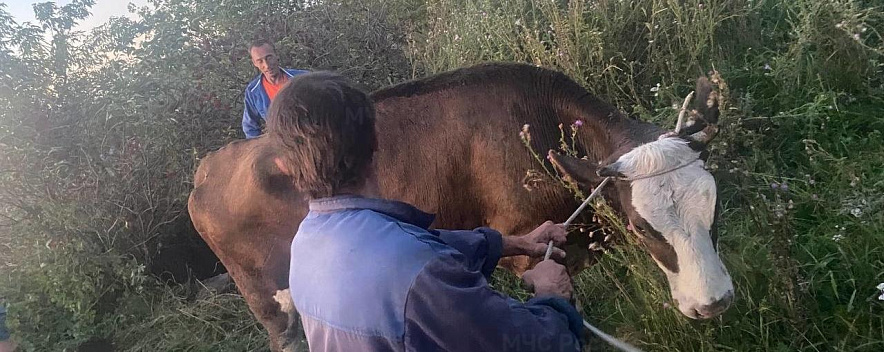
column 578, row 123
column 525, row 135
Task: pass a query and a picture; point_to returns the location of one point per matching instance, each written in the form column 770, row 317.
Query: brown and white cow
column 449, row 144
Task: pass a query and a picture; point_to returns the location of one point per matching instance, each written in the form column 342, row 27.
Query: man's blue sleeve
column 452, row 308
column 482, row 247
column 250, row 119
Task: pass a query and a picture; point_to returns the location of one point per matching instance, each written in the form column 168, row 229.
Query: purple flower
column 578, row 123
column 774, row 185
column 784, row 187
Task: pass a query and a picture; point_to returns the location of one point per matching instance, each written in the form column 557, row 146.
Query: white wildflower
column 856, row 212
column 837, row 237
column 880, row 287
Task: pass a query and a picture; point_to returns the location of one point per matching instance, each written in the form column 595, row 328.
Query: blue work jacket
column 257, row 102
column 369, row 275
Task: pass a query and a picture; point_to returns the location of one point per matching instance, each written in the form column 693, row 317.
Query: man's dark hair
column 326, row 126
column 260, row 42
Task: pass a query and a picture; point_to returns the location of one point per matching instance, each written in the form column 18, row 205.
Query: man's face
column 265, row 60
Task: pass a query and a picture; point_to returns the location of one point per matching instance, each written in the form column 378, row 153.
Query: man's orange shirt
column 271, row 88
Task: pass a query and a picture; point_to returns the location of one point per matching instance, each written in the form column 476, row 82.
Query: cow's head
column 670, row 200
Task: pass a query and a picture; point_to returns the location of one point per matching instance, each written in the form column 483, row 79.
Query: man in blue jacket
column 368, row 274
column 263, row 88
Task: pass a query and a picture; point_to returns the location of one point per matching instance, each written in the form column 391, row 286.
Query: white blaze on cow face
column 680, row 205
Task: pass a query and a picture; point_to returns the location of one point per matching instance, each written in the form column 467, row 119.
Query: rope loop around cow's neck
column 658, row 173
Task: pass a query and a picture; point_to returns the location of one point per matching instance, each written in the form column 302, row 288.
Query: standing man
column 262, row 89
column 368, row 274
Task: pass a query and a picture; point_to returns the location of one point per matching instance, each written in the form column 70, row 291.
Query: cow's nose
column 714, row 309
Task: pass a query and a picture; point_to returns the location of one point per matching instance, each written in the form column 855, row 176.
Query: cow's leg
column 259, row 290
column 259, row 273
column 293, row 336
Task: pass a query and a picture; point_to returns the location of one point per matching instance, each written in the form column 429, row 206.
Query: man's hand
column 534, row 243
column 549, row 278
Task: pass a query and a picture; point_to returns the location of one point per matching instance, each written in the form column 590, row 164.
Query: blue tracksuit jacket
column 257, row 102
column 368, row 275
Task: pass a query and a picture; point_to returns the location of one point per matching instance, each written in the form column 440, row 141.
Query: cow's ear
column 281, row 165
column 583, row 172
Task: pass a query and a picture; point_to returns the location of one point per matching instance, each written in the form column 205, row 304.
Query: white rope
column 658, row 173
column 582, row 206
column 623, row 346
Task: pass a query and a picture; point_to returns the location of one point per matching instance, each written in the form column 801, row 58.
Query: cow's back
column 457, row 152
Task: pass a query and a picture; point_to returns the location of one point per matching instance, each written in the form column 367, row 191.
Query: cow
column 450, row 145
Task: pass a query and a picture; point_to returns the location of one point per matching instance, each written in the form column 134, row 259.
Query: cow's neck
column 607, row 133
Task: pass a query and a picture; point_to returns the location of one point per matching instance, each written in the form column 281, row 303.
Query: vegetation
column 100, row 133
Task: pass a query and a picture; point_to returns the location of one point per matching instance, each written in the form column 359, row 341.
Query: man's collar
column 256, row 82
column 400, row 211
